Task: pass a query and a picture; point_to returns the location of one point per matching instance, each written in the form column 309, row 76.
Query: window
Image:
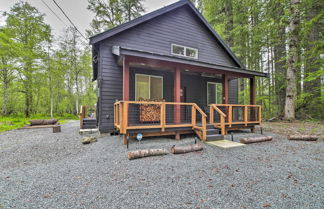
column 214, row 93
column 148, row 87
column 184, row 51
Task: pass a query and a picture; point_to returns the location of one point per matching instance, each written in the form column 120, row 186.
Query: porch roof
column 124, row 51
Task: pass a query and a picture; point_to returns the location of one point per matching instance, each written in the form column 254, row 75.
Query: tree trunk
column 280, row 71
column 229, row 23
column 5, row 87
column 291, row 90
column 146, row 153
column 303, row 137
column 28, row 96
column 313, row 87
column 185, row 149
column 255, row 139
column 50, row 82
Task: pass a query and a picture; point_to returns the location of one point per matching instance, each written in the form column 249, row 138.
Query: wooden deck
column 173, row 117
column 234, row 116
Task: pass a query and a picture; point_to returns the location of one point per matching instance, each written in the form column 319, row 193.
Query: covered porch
column 163, row 96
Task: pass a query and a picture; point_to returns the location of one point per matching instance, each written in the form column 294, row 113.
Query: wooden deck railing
column 234, row 114
column 221, row 124
column 130, row 115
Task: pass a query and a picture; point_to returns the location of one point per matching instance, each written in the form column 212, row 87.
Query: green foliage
column 41, row 77
column 18, row 121
column 257, row 33
column 110, row 13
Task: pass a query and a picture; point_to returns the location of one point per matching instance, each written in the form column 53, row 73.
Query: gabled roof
column 120, row 28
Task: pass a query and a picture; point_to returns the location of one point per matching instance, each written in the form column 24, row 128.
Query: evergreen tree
column 110, row 13
column 292, row 59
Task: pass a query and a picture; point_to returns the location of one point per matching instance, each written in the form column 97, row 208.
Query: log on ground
column 43, row 122
column 255, row 139
column 146, row 153
column 186, row 149
column 303, row 137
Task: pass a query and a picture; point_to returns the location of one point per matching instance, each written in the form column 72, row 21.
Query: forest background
column 42, row 75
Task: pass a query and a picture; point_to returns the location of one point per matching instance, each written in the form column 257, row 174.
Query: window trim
column 185, row 49
column 156, row 76
column 210, row 82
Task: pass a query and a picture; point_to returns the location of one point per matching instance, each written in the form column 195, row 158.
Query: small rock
column 88, row 140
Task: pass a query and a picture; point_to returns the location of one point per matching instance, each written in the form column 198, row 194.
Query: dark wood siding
column 233, row 91
column 179, row 27
column 110, row 83
column 197, row 89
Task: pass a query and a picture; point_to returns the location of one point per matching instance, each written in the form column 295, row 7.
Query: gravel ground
column 39, row 169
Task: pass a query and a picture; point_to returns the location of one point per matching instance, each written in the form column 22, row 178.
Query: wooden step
column 209, row 126
column 89, row 123
column 212, row 131
column 214, row 137
column 89, row 126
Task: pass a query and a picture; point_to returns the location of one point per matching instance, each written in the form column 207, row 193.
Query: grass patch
column 14, row 122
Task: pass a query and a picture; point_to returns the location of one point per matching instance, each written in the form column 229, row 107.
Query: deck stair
column 89, row 123
column 212, row 133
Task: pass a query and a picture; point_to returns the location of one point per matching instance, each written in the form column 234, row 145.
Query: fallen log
column 255, row 139
column 186, row 149
column 146, row 153
column 38, row 126
column 303, row 137
column 43, row 122
column 88, row 140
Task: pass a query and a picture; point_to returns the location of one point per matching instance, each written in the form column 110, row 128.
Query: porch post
column 177, row 77
column 252, row 91
column 225, row 96
column 125, row 79
column 225, row 89
column 252, row 98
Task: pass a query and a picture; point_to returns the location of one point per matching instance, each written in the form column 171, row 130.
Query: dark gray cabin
column 144, row 58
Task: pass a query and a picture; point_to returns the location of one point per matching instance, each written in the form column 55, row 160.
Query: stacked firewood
column 150, row 112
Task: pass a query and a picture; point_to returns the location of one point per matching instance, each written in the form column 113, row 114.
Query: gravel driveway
column 39, row 169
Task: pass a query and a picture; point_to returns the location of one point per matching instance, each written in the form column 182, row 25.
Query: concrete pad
column 88, row 131
column 225, row 144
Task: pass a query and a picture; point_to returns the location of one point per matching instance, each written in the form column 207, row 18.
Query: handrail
column 199, row 110
column 218, row 110
column 230, row 117
column 203, row 122
column 236, row 105
column 121, row 117
column 82, row 115
column 222, row 119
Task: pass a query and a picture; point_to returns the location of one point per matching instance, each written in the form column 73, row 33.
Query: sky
column 76, row 10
